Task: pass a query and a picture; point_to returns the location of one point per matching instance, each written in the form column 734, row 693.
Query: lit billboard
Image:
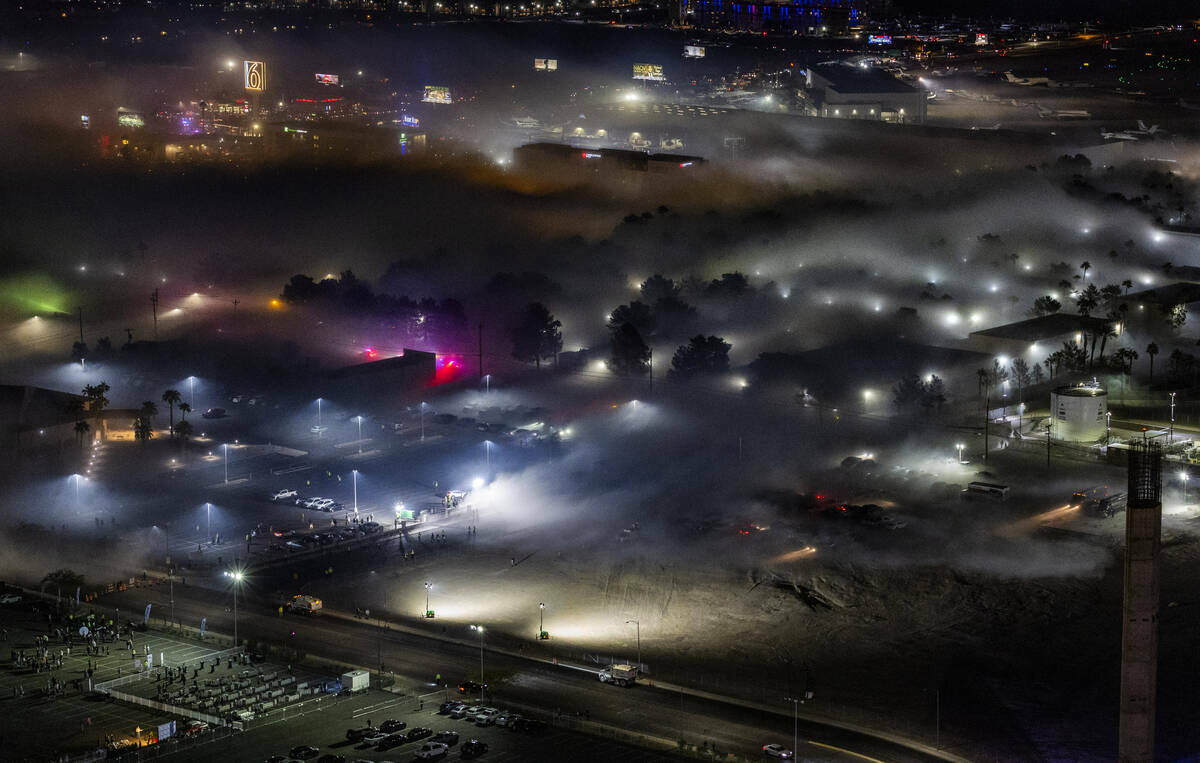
column 408, row 120
column 693, row 51
column 652, row 72
column 981, row 39
column 437, row 94
column 328, row 79
column 130, row 119
column 255, row 75
column 879, row 39
column 545, row 64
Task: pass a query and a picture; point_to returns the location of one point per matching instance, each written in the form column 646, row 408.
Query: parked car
column 394, row 739
column 9, row 598
column 418, row 733
column 432, row 751
column 328, row 757
column 304, row 752
column 356, row 735
column 460, row 711
column 777, row 751
column 194, row 728
column 469, row 687
column 448, row 738
column 391, row 725
column 279, row 495
column 374, row 738
column 446, row 707
column 474, row 748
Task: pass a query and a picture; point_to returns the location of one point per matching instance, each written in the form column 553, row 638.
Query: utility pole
column 987, row 404
column 81, row 325
column 154, row 310
column 1047, row 445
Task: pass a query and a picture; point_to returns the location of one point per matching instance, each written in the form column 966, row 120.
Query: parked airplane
column 1027, row 81
column 1144, row 130
column 1045, row 113
column 993, row 127
column 1117, row 135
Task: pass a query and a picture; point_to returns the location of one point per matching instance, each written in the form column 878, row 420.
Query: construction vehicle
column 621, row 675
column 305, row 604
column 1099, row 502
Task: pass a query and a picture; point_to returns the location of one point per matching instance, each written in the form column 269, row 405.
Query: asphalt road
column 641, row 709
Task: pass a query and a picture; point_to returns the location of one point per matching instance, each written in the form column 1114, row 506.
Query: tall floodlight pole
column 638, row 623
column 359, row 419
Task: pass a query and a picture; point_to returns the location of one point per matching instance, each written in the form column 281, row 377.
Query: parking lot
column 324, row 726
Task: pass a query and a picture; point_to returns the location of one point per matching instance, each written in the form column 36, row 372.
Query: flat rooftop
column 1044, row 327
column 856, row 79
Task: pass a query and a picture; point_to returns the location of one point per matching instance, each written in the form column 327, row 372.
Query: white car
column 777, row 751
column 279, row 495
column 432, row 751
column 374, row 738
column 9, row 598
column 322, row 504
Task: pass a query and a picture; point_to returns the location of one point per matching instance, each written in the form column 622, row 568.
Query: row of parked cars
column 481, row 715
column 392, row 733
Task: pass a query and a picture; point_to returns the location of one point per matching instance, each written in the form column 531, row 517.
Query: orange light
column 276, row 304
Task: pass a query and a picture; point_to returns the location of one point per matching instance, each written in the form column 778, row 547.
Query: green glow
column 33, row 293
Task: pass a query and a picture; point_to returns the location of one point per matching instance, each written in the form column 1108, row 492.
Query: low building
column 568, row 162
column 35, row 418
column 845, row 91
column 1036, row 338
column 403, row 374
column 818, row 18
column 1078, row 413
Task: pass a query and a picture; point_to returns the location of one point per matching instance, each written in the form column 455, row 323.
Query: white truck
column 621, row 675
column 305, row 604
column 355, row 681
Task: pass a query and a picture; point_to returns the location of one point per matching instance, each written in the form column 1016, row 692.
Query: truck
column 621, row 675
column 305, row 604
column 355, row 681
column 1099, row 502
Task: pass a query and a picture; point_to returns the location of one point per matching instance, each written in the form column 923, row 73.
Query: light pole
column 479, row 629
column 1171, row 437
column 1184, row 476
column 209, row 506
column 795, row 722
column 422, row 421
column 487, row 384
column 359, row 419
column 192, row 393
column 77, row 478
column 541, row 620
column 487, row 449
column 960, row 447
column 428, row 586
column 237, row 576
column 355, row 473
column 638, row 623
column 318, row 413
column 225, row 446
column 1107, row 427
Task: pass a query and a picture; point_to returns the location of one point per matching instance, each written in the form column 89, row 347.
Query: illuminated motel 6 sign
column 256, row 75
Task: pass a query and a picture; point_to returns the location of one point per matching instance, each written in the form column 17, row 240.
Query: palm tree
column 81, row 429
column 171, row 397
column 1151, row 351
column 184, row 410
column 149, row 410
column 1085, row 266
column 184, row 430
column 981, row 377
column 142, row 429
column 1128, row 285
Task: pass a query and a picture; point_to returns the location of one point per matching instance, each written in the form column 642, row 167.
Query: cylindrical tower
column 1139, row 630
column 1078, row 413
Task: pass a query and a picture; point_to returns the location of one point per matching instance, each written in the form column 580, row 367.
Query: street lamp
column 487, row 449
column 542, row 621
column 225, row 446
column 487, row 383
column 1107, row 427
column 422, row 421
column 209, row 506
column 238, row 576
column 1171, row 437
column 319, row 411
column 192, row 395
column 355, row 473
column 638, row 623
column 960, row 447
column 479, row 629
column 428, row 611
column 359, row 420
column 1184, row 476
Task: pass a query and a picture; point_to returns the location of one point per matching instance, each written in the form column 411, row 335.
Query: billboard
column 648, row 71
column 693, row 51
column 255, row 75
column 437, row 94
column 981, row 39
column 879, row 39
column 545, row 64
column 408, row 120
column 328, row 79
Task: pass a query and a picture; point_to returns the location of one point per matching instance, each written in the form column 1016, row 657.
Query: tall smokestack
column 1139, row 630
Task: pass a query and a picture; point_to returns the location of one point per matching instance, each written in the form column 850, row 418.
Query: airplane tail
column 1142, row 126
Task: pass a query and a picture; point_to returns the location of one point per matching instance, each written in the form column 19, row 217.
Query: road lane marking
column 842, row 750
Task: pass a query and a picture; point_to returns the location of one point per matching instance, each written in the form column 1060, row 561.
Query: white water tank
column 1078, row 413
